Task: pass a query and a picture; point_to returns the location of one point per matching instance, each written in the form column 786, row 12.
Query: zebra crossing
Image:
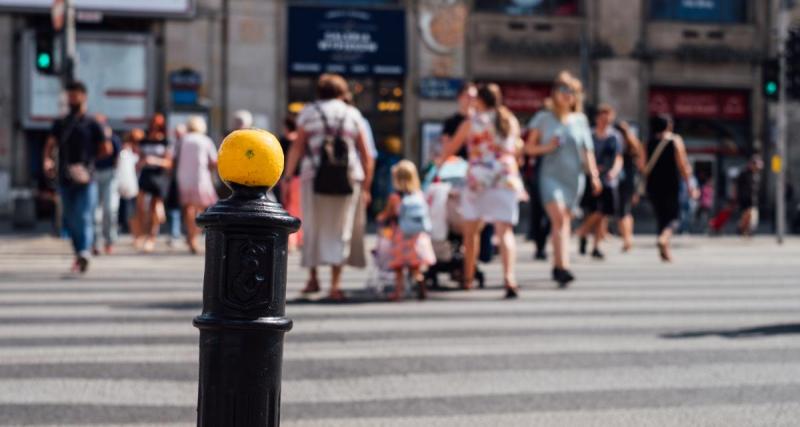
column 708, row 341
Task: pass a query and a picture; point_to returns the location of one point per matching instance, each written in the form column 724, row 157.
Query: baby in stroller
column 443, row 187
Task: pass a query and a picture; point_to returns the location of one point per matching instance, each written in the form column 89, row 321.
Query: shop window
column 529, row 7
column 712, row 11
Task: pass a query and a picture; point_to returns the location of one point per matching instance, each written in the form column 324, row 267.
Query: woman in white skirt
column 494, row 187
column 328, row 220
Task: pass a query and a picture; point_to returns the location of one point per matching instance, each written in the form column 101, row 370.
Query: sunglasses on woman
column 566, row 90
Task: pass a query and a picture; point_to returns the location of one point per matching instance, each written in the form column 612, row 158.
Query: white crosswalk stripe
column 708, row 341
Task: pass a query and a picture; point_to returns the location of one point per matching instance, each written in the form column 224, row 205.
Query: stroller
column 443, row 191
column 380, row 278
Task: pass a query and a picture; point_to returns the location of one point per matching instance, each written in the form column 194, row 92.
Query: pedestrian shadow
column 175, row 305
column 351, row 297
column 755, row 332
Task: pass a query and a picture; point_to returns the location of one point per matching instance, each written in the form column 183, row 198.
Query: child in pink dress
column 407, row 212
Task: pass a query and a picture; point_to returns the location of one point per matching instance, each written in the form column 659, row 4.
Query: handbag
column 651, row 163
column 332, row 174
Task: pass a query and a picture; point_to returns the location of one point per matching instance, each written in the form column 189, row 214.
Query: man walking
column 608, row 148
column 80, row 141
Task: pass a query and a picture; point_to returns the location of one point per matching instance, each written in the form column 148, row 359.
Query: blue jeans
column 109, row 198
column 78, row 203
column 174, row 223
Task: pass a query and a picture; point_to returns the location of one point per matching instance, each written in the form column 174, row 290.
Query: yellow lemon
column 251, row 157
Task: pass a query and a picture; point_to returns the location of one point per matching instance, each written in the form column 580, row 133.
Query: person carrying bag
column 332, row 174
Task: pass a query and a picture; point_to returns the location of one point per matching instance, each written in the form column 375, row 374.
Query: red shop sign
column 524, row 97
column 721, row 104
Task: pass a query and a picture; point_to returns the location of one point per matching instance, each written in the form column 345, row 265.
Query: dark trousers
column 539, row 228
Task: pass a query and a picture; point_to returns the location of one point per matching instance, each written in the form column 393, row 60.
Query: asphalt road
column 711, row 340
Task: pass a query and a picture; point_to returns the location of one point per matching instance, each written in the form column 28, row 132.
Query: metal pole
column 69, row 46
column 780, row 185
column 244, row 302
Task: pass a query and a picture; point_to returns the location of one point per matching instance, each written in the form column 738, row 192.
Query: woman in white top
column 328, row 219
column 196, row 157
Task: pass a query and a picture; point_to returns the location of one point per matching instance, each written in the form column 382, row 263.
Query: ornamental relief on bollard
column 248, row 279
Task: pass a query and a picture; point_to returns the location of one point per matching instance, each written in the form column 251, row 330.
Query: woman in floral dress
column 494, row 187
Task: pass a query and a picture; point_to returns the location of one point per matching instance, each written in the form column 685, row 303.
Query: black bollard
column 244, row 302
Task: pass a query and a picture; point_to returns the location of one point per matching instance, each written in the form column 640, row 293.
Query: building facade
column 699, row 60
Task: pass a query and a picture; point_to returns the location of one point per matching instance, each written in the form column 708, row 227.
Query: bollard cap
column 250, row 157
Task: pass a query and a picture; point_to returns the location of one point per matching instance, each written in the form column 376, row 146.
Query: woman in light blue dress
column 560, row 134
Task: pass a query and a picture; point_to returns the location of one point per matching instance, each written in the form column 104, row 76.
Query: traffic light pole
column 68, row 43
column 780, row 185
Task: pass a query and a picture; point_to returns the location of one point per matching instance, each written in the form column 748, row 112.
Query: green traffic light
column 771, row 88
column 43, row 60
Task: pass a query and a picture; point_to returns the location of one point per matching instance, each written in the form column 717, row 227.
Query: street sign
column 366, row 42
column 57, row 15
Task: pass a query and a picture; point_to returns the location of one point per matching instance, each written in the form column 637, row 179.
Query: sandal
column 149, row 246
column 312, row 286
column 395, row 296
column 336, row 295
column 663, row 251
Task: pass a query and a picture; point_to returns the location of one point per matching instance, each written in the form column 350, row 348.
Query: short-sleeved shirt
column 110, row 161
column 450, row 127
column 156, row 148
column 337, row 113
column 78, row 138
column 195, row 153
column 606, row 150
column 575, row 137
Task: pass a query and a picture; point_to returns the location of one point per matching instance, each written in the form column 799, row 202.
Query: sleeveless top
column 629, row 172
column 492, row 157
column 664, row 177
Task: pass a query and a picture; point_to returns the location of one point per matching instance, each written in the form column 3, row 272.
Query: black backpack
column 332, row 176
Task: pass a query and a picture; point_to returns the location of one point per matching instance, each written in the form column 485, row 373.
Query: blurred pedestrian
column 632, row 162
column 291, row 198
column 155, row 162
column 407, row 214
column 107, row 191
column 561, row 135
column 705, row 205
column 608, row 150
column 80, row 140
column 172, row 202
column 667, row 164
column 128, row 178
column 196, row 158
column 466, row 107
column 494, row 186
column 242, row 119
column 336, row 172
column 748, row 184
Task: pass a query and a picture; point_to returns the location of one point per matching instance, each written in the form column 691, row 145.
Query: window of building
column 529, row 7
column 712, row 11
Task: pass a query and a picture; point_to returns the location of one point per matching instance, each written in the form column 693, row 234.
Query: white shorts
column 490, row 205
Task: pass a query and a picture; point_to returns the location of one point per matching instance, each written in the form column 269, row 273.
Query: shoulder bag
column 651, row 163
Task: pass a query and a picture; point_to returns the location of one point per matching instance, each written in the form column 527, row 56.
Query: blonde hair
column 196, row 124
column 566, row 78
column 404, row 177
